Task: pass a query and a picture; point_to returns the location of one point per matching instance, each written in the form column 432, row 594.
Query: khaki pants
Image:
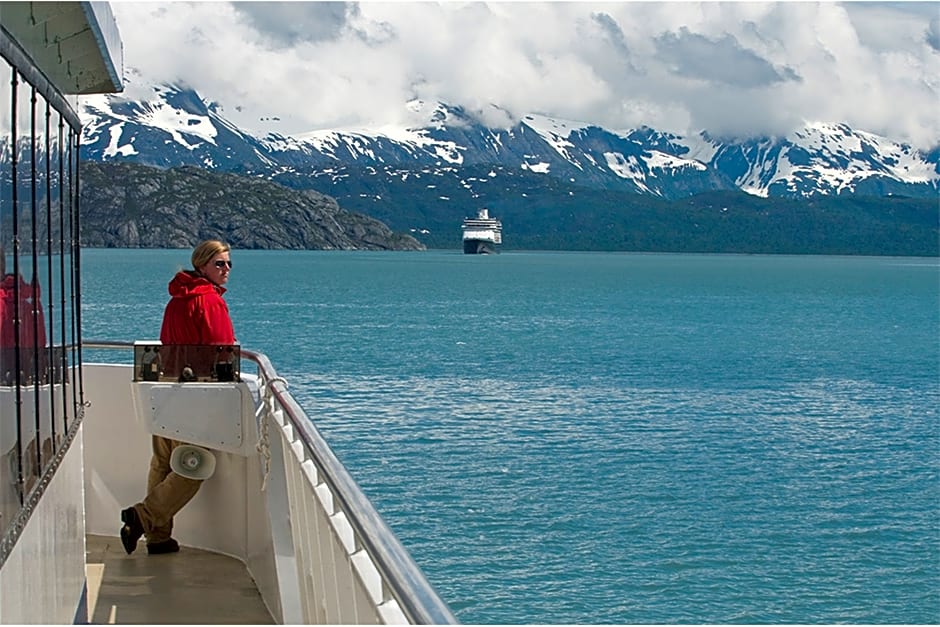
column 167, row 493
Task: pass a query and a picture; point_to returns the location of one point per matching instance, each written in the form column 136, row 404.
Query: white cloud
column 734, row 68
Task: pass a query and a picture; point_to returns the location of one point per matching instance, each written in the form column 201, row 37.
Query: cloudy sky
column 733, row 68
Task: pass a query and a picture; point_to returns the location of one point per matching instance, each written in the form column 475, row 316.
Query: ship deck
column 191, row 587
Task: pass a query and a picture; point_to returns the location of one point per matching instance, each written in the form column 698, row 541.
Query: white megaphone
column 192, row 462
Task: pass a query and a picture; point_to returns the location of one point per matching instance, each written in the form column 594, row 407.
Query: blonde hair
column 205, row 251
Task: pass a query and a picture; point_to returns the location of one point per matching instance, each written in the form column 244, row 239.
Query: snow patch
column 556, row 132
column 627, row 168
column 663, row 160
column 700, row 149
column 355, row 140
column 539, row 168
column 114, row 146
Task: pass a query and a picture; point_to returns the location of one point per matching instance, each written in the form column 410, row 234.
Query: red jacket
column 28, row 294
column 196, row 313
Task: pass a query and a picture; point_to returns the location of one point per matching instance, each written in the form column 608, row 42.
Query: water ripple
column 802, row 491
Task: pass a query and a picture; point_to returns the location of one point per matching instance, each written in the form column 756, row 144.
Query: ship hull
column 479, row 247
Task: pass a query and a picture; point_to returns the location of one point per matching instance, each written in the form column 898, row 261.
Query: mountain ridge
column 424, row 179
column 819, row 159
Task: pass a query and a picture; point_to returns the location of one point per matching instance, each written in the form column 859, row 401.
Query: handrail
column 417, row 599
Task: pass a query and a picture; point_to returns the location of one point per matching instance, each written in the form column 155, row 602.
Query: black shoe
column 167, row 546
column 132, row 529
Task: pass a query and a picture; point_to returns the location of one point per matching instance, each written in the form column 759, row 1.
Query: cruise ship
column 279, row 532
column 482, row 235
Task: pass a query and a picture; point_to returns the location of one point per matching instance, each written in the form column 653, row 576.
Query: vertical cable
column 73, row 355
column 72, row 351
column 62, row 358
column 33, row 353
column 18, row 392
column 49, row 294
column 77, row 266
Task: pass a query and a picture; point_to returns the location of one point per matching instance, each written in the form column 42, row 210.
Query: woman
column 196, row 314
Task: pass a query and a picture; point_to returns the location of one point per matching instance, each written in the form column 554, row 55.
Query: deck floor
column 191, row 587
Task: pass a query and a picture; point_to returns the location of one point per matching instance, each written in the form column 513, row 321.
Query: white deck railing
column 336, row 561
column 363, row 574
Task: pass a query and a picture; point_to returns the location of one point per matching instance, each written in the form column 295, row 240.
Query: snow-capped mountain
column 175, row 126
column 172, row 127
column 829, row 159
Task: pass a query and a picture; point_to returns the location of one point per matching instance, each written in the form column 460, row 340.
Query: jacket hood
column 27, row 290
column 189, row 284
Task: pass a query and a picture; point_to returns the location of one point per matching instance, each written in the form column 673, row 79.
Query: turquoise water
column 612, row 438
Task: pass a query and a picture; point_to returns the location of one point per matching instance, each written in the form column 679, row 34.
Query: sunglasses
column 221, row 263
